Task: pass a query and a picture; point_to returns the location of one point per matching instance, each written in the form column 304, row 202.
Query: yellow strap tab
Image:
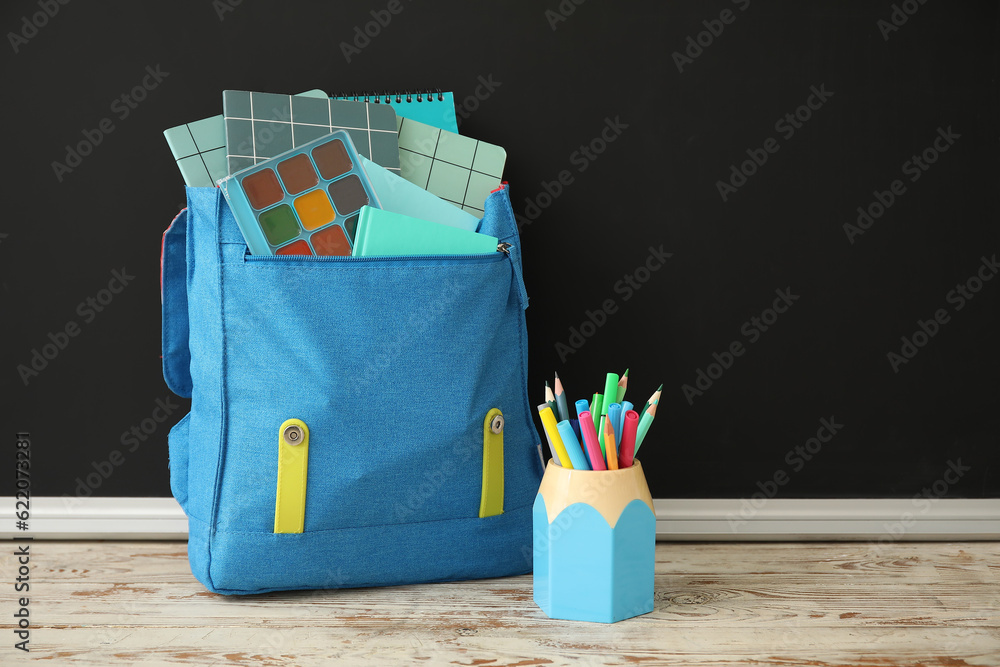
column 491, row 503
column 293, row 462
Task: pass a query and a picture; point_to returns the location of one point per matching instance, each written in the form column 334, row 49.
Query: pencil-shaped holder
column 594, row 544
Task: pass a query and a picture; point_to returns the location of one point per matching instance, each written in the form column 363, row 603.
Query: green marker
column 595, row 412
column 610, row 389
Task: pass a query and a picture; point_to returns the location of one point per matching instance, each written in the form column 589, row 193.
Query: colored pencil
column 626, row 452
column 549, row 424
column 550, row 398
column 552, row 448
column 622, row 386
column 656, row 396
column 609, row 445
column 644, row 424
column 561, row 400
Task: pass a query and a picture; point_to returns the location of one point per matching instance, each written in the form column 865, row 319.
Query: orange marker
column 609, row 445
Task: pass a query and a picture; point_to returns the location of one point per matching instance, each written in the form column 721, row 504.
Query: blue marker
column 615, row 416
column 572, row 444
column 626, row 406
column 581, row 406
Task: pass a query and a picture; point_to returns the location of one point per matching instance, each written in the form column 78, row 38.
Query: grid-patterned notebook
column 199, row 148
column 262, row 125
column 458, row 169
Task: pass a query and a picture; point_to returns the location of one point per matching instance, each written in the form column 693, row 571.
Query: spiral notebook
column 432, row 107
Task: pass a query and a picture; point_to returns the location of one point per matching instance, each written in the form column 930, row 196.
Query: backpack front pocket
column 392, row 364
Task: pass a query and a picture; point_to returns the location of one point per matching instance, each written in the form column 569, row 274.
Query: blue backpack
column 354, row 421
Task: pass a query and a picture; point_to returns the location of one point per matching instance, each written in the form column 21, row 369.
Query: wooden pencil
column 609, row 445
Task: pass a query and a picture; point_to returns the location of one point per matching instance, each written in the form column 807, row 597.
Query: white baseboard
column 782, row 519
column 882, row 520
column 54, row 518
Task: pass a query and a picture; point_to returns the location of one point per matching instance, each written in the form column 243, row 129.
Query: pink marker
column 590, row 440
column 627, row 449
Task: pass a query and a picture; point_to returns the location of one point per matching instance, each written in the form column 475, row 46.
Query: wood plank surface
column 810, row 604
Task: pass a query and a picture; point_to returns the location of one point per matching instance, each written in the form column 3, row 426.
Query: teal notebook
column 384, row 233
column 398, row 195
column 432, row 107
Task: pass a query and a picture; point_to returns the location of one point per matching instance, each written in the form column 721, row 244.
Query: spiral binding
column 376, row 97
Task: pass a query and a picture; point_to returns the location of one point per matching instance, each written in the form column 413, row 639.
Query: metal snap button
column 496, row 424
column 292, row 435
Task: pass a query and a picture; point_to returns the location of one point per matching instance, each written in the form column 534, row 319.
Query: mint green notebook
column 383, row 233
column 398, row 195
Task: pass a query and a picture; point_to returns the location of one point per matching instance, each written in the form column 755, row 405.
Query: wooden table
column 816, row 604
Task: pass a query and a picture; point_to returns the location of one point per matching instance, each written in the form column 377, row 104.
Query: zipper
column 503, row 250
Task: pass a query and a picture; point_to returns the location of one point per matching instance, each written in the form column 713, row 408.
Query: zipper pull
column 504, row 248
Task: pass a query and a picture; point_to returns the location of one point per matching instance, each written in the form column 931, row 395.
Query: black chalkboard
column 785, row 212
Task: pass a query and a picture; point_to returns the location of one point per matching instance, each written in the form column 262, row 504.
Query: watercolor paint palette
column 260, row 126
column 304, row 201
